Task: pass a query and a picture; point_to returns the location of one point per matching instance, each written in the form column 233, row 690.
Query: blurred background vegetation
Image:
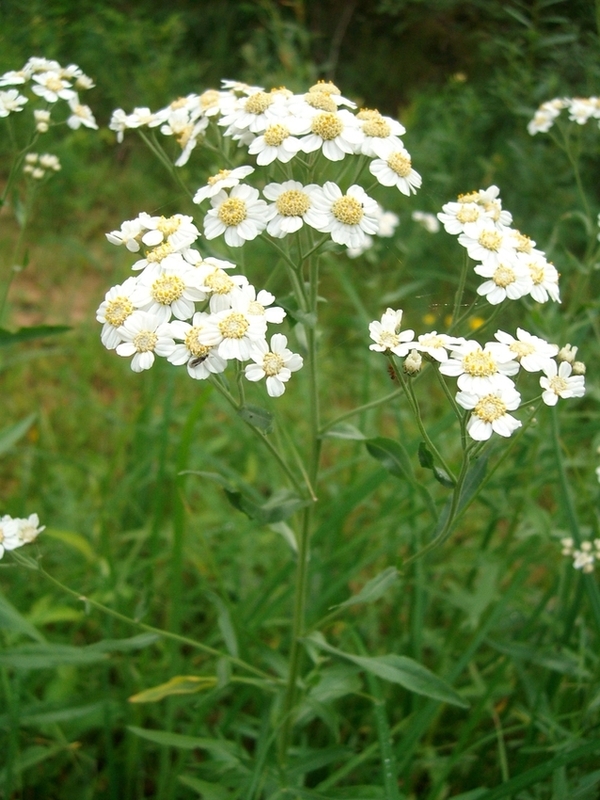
column 100, row 464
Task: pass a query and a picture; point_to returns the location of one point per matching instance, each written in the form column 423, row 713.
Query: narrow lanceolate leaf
column 374, row 589
column 219, row 749
column 277, row 508
column 258, row 417
column 206, row 790
column 10, row 435
column 124, row 645
column 12, row 620
column 46, row 656
column 26, row 334
column 397, row 669
column 180, row 684
column 344, row 430
column 427, row 462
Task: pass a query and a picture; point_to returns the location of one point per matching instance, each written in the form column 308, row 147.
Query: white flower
column 427, row 220
column 481, row 370
column 380, row 134
column 202, row 361
column 119, row 123
column 276, row 364
column 143, row 335
column 173, row 292
column 388, row 222
column 387, row 336
column 179, row 231
column 489, row 412
column 42, row 120
column 224, row 179
column 241, row 215
column 544, row 276
column 128, row 234
column 218, row 284
column 490, row 245
column 456, row 217
column 254, row 112
column 335, row 133
column 293, row 205
column 80, row 115
column 544, row 117
column 15, row 77
column 558, row 382
column 582, row 108
column 15, row 532
column 261, row 304
column 584, row 559
column 396, row 170
column 533, row 354
column 279, row 141
column 51, row 87
column 234, row 330
column 347, row 217
column 508, row 279
column 114, row 310
column 436, row 344
column 29, row 529
column 11, row 101
column 568, row 353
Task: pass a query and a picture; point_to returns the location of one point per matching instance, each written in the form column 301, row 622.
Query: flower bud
column 567, row 353
column 578, row 368
column 413, row 363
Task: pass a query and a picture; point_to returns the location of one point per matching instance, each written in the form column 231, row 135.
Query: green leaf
column 425, row 456
column 180, row 684
column 222, row 750
column 257, row 417
column 473, row 481
column 427, row 462
column 30, row 757
column 37, row 717
column 47, row 656
column 344, row 430
column 74, row 540
column 10, row 435
column 124, row 645
column 207, row 791
column 397, row 669
column 391, row 455
column 225, row 624
column 26, row 334
column 12, row 620
column 374, row 589
column 280, row 506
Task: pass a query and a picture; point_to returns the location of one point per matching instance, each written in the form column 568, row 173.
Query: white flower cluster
column 484, row 373
column 277, row 125
column 586, row 557
column 190, row 309
column 510, row 262
column 15, row 532
column 49, row 82
column 37, row 165
column 581, row 109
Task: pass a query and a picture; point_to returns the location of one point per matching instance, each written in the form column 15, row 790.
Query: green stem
column 460, row 289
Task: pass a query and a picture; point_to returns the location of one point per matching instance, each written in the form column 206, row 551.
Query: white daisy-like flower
column 234, row 331
column 164, row 258
column 396, row 170
column 387, row 335
column 15, row 77
column 142, row 117
column 509, row 279
column 347, row 217
column 544, row 117
column 188, row 141
column 381, row 134
column 335, row 133
column 11, row 101
column 329, row 89
column 119, row 123
column 481, row 370
column 241, row 215
column 558, row 382
column 492, row 205
column 51, row 87
column 114, row 310
column 522, row 243
column 293, row 206
column 261, row 304
column 544, row 276
column 582, row 108
column 37, row 64
column 218, row 284
column 202, row 361
column 436, row 344
column 179, row 231
column 533, row 353
column 29, row 528
column 491, row 246
column 279, row 141
column 9, row 534
column 143, row 335
column 129, row 234
column 457, row 216
column 254, row 113
column 426, row 220
column 80, row 115
column 174, row 292
column 276, row 364
column 224, row 179
column 489, row 412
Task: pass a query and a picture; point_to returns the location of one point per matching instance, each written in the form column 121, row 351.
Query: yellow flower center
column 378, row 128
column 326, row 87
column 118, row 310
column 232, row 211
column 180, row 102
column 327, row 126
column 523, row 244
column 490, row 408
column 255, row 309
column 467, row 213
column 219, row 282
column 272, row 364
column 431, row 340
column 292, row 203
column 368, row 113
column 166, row 289
column 221, row 175
column 522, row 349
column 479, row 364
column 168, row 225
column 234, row 326
column 193, row 345
column 493, row 208
column 491, row 240
column 388, row 339
column 536, row 272
column 321, row 101
column 145, row 341
column 469, row 197
column 54, row 84
column 400, row 163
column 258, row 103
column 347, row 210
column 209, row 98
column 184, row 134
column 162, row 251
column 275, row 135
column 558, row 384
column 504, row 276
